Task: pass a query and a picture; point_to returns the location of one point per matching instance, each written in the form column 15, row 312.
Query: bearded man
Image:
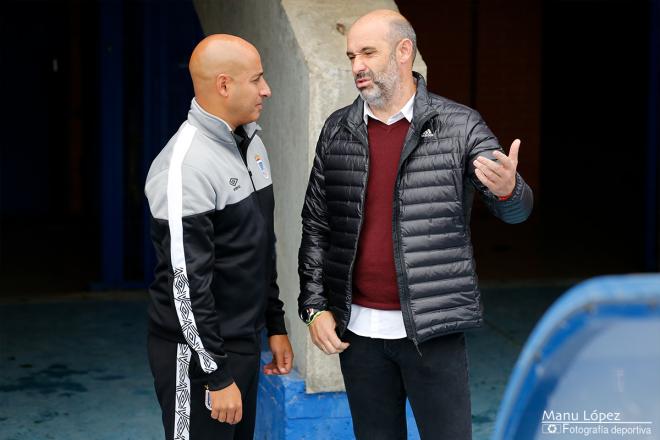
column 386, row 263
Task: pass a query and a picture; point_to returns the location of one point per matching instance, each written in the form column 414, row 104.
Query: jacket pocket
column 458, row 192
column 456, row 175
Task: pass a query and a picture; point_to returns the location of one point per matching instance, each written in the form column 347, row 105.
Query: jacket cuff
column 304, row 312
column 275, row 325
column 515, row 195
column 519, row 206
column 220, row 378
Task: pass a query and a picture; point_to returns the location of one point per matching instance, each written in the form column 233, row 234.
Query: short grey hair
column 400, row 29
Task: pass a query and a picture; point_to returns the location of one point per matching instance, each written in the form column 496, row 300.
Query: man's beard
column 384, row 85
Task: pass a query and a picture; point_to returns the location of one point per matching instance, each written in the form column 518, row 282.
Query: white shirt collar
column 405, row 112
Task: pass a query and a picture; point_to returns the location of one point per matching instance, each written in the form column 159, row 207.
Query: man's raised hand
column 499, row 176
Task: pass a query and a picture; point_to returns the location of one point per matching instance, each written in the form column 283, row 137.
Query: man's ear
column 405, row 51
column 222, row 82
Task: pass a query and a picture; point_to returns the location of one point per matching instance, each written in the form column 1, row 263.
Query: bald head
column 379, row 16
column 219, row 54
column 228, row 78
column 387, row 24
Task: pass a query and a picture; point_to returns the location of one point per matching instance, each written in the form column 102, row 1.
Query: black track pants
column 180, row 388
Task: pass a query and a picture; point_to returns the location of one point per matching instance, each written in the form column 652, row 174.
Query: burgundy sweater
column 374, row 274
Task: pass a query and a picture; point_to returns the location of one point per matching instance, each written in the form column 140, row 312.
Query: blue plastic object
column 591, row 368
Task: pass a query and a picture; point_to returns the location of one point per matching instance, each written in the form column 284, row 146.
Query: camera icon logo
column 549, row 428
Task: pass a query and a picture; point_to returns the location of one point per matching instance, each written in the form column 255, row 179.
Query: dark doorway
column 571, row 79
column 59, row 118
column 595, row 86
column 49, row 157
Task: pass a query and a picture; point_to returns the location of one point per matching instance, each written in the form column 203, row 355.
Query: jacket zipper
column 244, row 159
column 404, row 297
column 250, row 174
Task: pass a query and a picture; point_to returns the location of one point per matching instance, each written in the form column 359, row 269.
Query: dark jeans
column 379, row 374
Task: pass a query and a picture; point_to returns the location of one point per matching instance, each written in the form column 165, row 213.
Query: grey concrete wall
column 285, row 133
column 303, row 51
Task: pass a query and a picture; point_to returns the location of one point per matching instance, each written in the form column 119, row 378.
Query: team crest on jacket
column 261, row 165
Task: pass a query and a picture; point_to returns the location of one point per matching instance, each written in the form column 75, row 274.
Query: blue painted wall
column 286, row 412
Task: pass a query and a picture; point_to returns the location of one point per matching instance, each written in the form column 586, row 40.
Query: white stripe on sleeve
column 180, row 286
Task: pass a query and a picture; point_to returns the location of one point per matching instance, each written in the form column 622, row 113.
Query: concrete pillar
column 303, row 51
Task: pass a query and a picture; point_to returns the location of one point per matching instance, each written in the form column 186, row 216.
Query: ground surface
column 74, row 366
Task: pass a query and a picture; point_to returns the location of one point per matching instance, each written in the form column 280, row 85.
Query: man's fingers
column 513, row 152
column 504, row 160
column 231, row 414
column 332, row 346
column 317, row 341
column 279, row 360
column 340, row 348
column 483, row 179
column 215, row 414
column 328, row 348
column 238, row 415
column 495, row 167
column 283, row 353
column 490, row 175
column 222, row 415
column 337, row 344
column 287, row 361
column 320, row 345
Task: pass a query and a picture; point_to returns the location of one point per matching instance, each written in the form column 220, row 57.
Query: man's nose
column 265, row 91
column 358, row 66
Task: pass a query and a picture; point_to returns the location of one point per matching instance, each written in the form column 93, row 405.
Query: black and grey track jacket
column 212, row 227
column 433, row 197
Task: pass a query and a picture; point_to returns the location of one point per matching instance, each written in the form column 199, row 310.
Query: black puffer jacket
column 430, row 220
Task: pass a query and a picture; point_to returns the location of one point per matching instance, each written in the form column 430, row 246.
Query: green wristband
column 314, row 316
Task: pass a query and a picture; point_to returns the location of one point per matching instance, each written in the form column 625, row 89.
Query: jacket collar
column 214, row 127
column 405, row 112
column 421, row 107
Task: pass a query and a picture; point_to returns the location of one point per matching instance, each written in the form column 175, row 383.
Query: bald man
column 211, row 201
column 386, row 264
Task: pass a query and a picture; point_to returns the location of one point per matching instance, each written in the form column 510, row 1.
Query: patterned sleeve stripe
column 180, row 286
column 182, row 403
